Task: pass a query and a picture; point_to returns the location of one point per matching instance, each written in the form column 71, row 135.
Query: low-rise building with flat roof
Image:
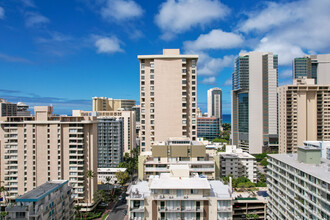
column 110, row 173
column 51, row 200
column 179, row 195
column 237, row 163
column 176, row 151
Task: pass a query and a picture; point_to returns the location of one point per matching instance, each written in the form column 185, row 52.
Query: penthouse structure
column 109, row 104
column 303, row 112
column 179, row 195
column 168, row 97
column 176, row 151
column 51, row 200
column 237, row 163
column 44, row 147
column 254, row 102
column 298, row 185
column 323, row 145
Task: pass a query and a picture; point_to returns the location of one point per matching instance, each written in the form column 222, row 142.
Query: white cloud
column 216, row 39
column 208, row 80
column 120, row 10
column 108, row 45
column 2, row 13
column 285, row 50
column 285, row 74
column 178, row 16
column 210, row 66
column 228, row 82
column 33, row 19
column 291, row 29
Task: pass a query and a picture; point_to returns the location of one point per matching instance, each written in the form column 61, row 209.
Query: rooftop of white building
column 167, row 181
column 41, row 191
column 320, row 171
column 218, row 189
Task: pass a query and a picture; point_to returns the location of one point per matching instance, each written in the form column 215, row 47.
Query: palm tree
column 90, row 174
column 4, row 191
column 77, row 209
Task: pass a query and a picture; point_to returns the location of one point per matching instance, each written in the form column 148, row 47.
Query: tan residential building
column 44, row 147
column 168, row 97
column 254, row 102
column 303, row 113
column 129, row 124
column 109, row 104
column 177, row 151
column 179, row 195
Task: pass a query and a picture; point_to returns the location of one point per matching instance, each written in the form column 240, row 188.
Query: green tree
column 77, row 212
column 3, row 215
column 220, row 140
column 264, row 162
column 252, row 216
column 260, row 157
column 3, row 191
column 122, row 177
column 100, row 195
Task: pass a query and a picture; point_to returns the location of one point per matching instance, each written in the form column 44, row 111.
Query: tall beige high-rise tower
column 44, row 147
column 254, row 102
column 214, row 103
column 303, row 114
column 168, row 96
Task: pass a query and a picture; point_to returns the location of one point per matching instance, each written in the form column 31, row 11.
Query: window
column 184, row 60
column 142, row 71
column 152, row 76
column 152, row 65
column 142, row 88
column 142, row 61
column 152, row 88
column 166, row 191
column 152, row 110
column 193, row 71
column 194, row 191
column 142, row 66
column 152, row 104
column 142, row 77
column 152, row 71
column 184, row 70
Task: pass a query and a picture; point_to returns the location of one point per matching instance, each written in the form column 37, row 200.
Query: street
column 117, row 212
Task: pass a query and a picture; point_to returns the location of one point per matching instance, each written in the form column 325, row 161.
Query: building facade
column 129, row 124
column 108, row 175
column 7, row 108
column 303, row 109
column 208, row 127
column 44, row 147
column 176, row 151
column 178, row 195
column 22, row 109
column 168, row 97
column 51, row 200
column 109, row 104
column 254, row 102
column 237, row 163
column 298, row 185
column 214, row 103
column 110, row 143
column 314, row 67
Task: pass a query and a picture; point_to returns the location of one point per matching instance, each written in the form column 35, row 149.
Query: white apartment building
column 176, row 151
column 254, row 102
column 108, row 173
column 168, row 97
column 51, row 200
column 237, row 163
column 179, row 195
column 298, row 185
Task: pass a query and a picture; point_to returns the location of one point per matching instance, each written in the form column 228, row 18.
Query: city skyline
column 51, row 58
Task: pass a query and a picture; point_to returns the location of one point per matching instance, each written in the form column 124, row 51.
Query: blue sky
column 65, row 52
